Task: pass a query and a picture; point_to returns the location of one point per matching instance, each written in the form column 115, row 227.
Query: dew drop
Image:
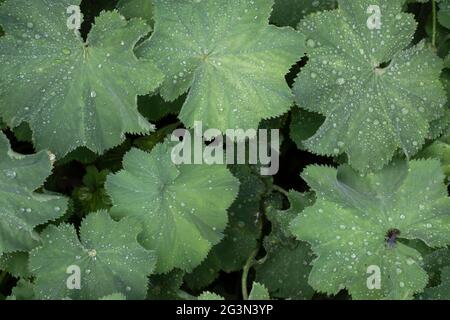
column 11, row 174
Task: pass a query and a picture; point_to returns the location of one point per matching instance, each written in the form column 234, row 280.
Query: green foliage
column 290, row 12
column 23, row 209
column 241, row 235
column 182, row 208
column 259, row 292
column 137, row 9
column 225, row 48
column 377, row 96
column 350, row 225
column 68, row 78
column 284, row 271
column 107, row 254
column 93, row 205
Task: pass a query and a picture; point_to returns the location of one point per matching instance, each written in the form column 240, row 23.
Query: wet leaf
column 108, row 258
column 72, row 93
column 356, row 223
column 22, row 208
column 227, row 56
column 377, row 96
column 183, row 208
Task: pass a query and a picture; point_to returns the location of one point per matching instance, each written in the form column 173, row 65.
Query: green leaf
column 376, row 97
column 72, row 93
column 354, row 225
column 224, row 52
column 23, row 209
column 92, row 195
column 440, row 292
column 434, row 262
column 182, row 208
column 285, row 269
column 444, row 13
column 23, row 132
column 290, row 12
column 154, row 108
column 165, row 286
column 114, row 297
column 210, row 296
column 304, row 125
column 108, row 256
column 137, row 9
column 241, row 234
column 16, row 264
column 259, row 292
column 439, row 149
column 24, row 290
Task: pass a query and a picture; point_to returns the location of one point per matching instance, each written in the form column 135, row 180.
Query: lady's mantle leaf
column 354, row 225
column 72, row 93
column 259, row 292
column 376, row 97
column 21, row 209
column 241, row 234
column 444, row 13
column 183, row 208
column 114, row 297
column 440, row 292
column 210, row 296
column 233, row 62
column 24, row 290
column 108, row 256
column 16, row 264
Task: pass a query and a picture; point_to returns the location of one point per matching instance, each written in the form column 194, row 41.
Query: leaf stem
column 185, row 296
column 280, row 189
column 245, row 270
column 433, row 37
column 251, row 261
